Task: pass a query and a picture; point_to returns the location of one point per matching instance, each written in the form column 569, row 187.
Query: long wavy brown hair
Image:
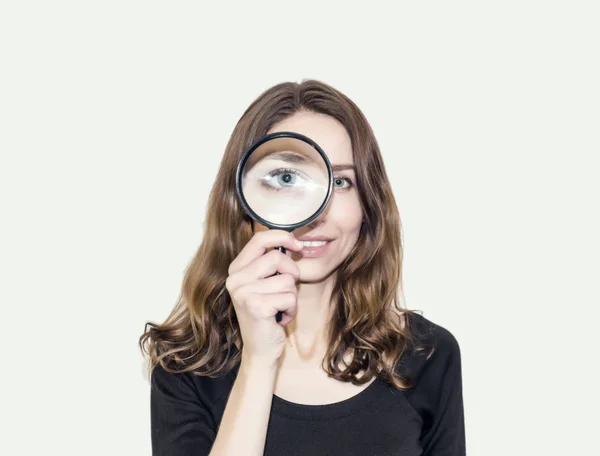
column 369, row 326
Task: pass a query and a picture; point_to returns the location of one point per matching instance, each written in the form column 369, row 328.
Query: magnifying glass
column 284, row 181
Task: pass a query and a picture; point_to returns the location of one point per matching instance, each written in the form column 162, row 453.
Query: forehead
column 326, row 131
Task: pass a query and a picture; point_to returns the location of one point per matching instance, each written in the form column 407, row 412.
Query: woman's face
column 330, row 238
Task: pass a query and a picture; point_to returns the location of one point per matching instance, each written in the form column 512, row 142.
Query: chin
column 310, row 272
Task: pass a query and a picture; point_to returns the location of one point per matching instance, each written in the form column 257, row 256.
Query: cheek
column 347, row 213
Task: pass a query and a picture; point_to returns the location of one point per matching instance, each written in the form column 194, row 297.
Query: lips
column 314, row 246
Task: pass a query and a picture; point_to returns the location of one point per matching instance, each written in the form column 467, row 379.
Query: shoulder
column 436, row 350
column 426, row 332
column 188, row 386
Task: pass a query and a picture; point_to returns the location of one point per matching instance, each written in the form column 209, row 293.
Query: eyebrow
column 291, row 157
column 337, row 168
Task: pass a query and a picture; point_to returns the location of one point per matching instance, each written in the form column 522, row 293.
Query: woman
column 347, row 371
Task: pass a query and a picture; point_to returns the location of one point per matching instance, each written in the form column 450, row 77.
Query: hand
column 257, row 294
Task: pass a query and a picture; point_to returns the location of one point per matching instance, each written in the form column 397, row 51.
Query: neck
column 307, row 335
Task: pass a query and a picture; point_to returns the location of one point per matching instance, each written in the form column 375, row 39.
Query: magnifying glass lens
column 285, row 181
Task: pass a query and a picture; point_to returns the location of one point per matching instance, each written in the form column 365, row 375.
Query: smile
column 315, row 249
column 314, row 243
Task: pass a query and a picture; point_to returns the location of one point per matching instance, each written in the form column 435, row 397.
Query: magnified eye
column 283, row 179
column 286, row 179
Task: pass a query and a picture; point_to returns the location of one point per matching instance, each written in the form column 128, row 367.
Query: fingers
column 284, row 283
column 260, row 243
column 266, row 306
column 264, row 267
column 254, row 289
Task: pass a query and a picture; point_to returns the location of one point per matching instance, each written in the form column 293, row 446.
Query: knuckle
column 244, row 294
column 288, row 280
column 260, row 236
column 231, row 283
column 275, row 258
column 274, row 255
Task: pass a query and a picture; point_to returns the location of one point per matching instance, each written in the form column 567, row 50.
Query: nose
column 319, row 220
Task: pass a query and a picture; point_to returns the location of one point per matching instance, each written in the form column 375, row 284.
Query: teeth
column 314, row 243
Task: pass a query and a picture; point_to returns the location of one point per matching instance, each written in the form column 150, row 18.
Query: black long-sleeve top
column 427, row 420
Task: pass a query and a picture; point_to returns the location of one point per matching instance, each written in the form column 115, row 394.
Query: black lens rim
column 244, row 159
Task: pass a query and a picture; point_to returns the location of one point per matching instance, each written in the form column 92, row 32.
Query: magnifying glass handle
column 279, row 315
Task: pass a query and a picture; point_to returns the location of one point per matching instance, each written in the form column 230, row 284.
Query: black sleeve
column 437, row 391
column 181, row 425
column 445, row 433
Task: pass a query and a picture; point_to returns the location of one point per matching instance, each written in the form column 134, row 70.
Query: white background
column 113, row 119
